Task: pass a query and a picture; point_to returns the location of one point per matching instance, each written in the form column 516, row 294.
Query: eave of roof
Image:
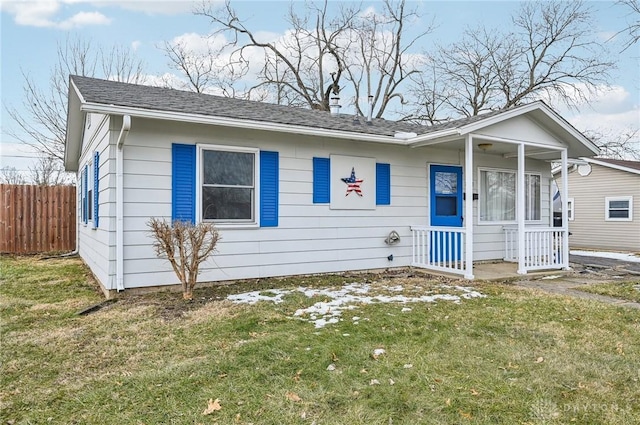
column 109, row 97
column 616, row 165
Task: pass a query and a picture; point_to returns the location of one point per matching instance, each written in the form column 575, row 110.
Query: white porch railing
column 439, row 248
column 542, row 247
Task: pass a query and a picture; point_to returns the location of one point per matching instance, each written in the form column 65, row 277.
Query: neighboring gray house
column 604, row 204
column 296, row 191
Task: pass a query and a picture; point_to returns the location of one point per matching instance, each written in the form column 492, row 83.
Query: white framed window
column 498, row 196
column 227, row 185
column 570, row 207
column 618, row 208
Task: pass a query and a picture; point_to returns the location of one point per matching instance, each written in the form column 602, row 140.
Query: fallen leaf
column 296, row 377
column 293, row 397
column 408, row 366
column 331, row 367
column 391, row 382
column 448, row 402
column 364, row 371
column 474, row 392
column 334, row 358
column 539, row 359
column 465, row 415
column 374, row 382
column 303, row 415
column 213, row 406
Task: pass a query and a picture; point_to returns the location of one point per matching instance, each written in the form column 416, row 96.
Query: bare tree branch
column 186, row 246
column 49, row 172
column 9, row 175
column 42, row 121
column 633, row 26
column 553, row 54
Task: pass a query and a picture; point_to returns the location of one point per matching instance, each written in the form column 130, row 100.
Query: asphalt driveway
column 608, row 264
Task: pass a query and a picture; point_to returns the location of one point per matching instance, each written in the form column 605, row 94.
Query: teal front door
column 446, row 211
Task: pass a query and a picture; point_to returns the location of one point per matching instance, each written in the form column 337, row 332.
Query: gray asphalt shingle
column 115, row 93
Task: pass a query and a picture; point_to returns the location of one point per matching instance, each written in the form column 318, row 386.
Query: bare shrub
column 185, row 245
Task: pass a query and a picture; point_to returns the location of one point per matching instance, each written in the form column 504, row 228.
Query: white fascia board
column 238, row 123
column 614, row 166
column 75, row 128
column 524, row 109
column 435, row 138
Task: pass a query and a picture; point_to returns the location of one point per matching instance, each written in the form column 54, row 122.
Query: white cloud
column 135, row 45
column 44, row 14
column 82, row 19
column 151, row 7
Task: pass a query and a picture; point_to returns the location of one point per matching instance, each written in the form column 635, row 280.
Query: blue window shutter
column 383, row 184
column 183, row 182
column 269, row 189
column 321, row 181
column 96, row 179
column 85, row 189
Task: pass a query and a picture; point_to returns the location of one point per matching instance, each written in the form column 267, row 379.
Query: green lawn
column 629, row 291
column 513, row 357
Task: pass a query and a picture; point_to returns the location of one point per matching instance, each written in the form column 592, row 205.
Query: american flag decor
column 353, row 183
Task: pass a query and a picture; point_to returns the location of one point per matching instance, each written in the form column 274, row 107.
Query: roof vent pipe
column 334, row 107
column 370, row 111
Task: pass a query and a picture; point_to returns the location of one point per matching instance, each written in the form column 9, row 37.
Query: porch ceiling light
column 485, row 146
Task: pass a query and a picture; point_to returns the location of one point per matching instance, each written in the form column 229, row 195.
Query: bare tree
column 206, row 68
column 9, row 175
column 324, row 51
column 624, row 145
column 49, row 172
column 380, row 60
column 552, row 54
column 41, row 122
column 186, row 246
column 633, row 26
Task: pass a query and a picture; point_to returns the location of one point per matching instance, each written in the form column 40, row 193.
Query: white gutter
column 126, row 126
column 240, row 123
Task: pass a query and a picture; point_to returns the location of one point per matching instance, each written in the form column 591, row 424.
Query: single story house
column 296, row 191
column 603, row 204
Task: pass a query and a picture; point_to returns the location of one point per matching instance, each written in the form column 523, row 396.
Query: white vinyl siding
column 96, row 246
column 310, row 238
column 589, row 228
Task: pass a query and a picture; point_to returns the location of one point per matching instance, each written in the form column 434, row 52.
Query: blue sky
column 30, row 31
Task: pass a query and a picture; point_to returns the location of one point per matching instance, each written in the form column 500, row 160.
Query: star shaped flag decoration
column 353, row 183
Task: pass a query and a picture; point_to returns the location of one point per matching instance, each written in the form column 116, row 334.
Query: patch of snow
column 348, row 297
column 378, row 352
column 605, row 254
column 553, row 276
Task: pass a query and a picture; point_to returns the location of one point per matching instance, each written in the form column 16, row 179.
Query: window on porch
column 498, row 196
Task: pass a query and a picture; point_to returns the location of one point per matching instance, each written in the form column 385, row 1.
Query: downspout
column 126, row 126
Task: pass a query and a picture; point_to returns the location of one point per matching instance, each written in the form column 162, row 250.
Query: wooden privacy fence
column 37, row 218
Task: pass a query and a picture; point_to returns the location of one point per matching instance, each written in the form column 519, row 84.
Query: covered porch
column 533, row 137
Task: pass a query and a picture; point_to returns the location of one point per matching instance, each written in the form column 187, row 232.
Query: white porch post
column 468, row 207
column 565, row 210
column 520, row 215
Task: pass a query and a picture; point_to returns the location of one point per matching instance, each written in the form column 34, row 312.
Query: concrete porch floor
column 501, row 270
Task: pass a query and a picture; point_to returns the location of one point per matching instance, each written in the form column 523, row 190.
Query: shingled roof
column 151, row 98
column 633, row 165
